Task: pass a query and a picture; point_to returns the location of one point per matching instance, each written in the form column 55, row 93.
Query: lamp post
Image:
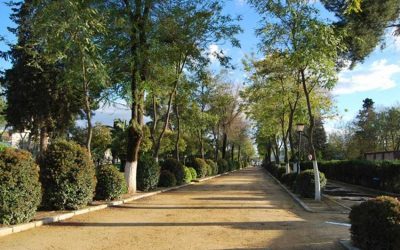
column 299, row 129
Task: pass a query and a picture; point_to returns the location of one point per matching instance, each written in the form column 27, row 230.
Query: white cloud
column 240, row 3
column 378, row 77
column 214, row 51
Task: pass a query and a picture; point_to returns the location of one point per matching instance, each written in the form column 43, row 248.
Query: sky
column 377, row 78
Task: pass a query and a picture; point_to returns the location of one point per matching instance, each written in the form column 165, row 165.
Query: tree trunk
column 87, row 108
column 224, row 144
column 44, row 140
column 310, row 139
column 178, row 130
column 232, row 152
column 239, row 151
column 201, row 144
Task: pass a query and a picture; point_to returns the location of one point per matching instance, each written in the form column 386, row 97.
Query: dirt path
column 243, row 210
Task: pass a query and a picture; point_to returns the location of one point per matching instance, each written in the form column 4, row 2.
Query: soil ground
column 243, row 210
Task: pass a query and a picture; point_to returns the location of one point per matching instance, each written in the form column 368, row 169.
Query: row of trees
column 73, row 56
column 302, row 56
column 370, row 131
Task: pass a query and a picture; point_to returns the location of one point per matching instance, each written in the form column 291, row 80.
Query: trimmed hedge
column 176, row 168
column 375, row 224
column 193, row 172
column 305, row 183
column 167, row 179
column 213, row 166
column 223, row 166
column 200, row 166
column 68, row 176
column 289, row 179
column 148, row 173
column 110, row 183
column 188, row 175
column 383, row 175
column 20, row 192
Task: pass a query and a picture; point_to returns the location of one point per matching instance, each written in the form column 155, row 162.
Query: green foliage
column 213, row 166
column 193, row 173
column 167, row 179
column 223, row 166
column 289, row 179
column 305, row 183
column 375, row 224
column 68, row 176
column 280, row 172
column 200, row 166
column 20, row 192
column 110, row 183
column 148, row 173
column 188, row 175
column 176, row 168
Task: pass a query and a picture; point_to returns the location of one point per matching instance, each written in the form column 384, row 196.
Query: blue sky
column 377, row 78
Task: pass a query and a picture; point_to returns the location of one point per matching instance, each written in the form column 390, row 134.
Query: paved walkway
column 243, row 210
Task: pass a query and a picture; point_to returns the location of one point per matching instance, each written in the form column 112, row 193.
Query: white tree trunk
column 130, row 176
column 317, row 181
column 288, row 168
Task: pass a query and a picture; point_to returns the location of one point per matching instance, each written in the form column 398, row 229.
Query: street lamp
column 299, row 129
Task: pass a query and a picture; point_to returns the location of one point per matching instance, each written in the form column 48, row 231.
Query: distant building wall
column 379, row 156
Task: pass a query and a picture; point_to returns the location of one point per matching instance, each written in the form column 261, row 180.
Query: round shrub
column 289, row 179
column 223, row 166
column 110, row 183
column 194, row 173
column 375, row 224
column 200, row 166
column 167, row 179
column 209, row 170
column 20, row 192
column 213, row 165
column 188, row 175
column 176, row 168
column 148, row 173
column 68, row 176
column 305, row 183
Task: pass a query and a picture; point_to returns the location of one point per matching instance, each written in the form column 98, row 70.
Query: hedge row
column 383, row 175
column 302, row 184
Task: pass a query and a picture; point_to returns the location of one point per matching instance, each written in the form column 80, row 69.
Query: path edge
column 8, row 230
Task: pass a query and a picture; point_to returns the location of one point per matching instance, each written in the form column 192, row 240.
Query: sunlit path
column 244, row 210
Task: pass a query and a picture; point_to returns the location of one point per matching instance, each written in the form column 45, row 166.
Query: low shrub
column 110, row 183
column 213, row 165
column 200, row 166
column 223, row 166
column 68, row 176
column 193, row 172
column 375, row 224
column 176, row 168
column 20, row 192
column 289, row 179
column 148, row 173
column 305, row 183
column 188, row 175
column 280, row 172
column 167, row 179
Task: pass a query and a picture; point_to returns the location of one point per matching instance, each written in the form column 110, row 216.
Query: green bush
column 176, row 168
column 289, row 179
column 20, row 192
column 188, row 175
column 68, row 176
column 167, row 179
column 110, row 183
column 223, row 166
column 213, row 165
column 193, row 172
column 375, row 224
column 280, row 172
column 200, row 166
column 148, row 173
column 305, row 183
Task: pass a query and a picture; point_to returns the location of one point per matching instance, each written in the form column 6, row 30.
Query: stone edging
column 7, row 230
column 336, row 202
column 294, row 197
column 347, row 245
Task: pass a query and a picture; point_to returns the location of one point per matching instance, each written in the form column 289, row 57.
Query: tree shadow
column 193, row 207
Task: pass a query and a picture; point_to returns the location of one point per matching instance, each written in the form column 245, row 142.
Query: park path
column 242, row 210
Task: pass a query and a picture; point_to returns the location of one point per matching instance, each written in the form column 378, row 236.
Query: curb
column 336, row 202
column 294, row 197
column 7, row 230
column 346, row 244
